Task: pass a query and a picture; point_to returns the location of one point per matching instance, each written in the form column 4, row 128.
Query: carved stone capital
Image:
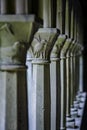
column 81, row 48
column 70, row 48
column 12, row 51
column 58, row 45
column 78, row 51
column 74, row 48
column 43, row 42
column 65, row 47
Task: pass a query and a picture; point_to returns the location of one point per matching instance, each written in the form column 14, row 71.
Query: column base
column 70, row 122
column 69, row 119
column 63, row 128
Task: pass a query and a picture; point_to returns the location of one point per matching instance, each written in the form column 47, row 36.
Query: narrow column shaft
column 71, row 73
column 72, row 22
column 63, row 94
column 59, row 15
column 41, row 73
column 68, row 86
column 13, row 99
column 63, row 83
column 81, row 74
column 2, row 100
column 47, row 13
column 31, row 90
column 75, row 27
column 3, row 6
column 20, row 6
column 27, row 6
column 55, row 93
column 74, row 78
column 77, row 76
column 67, row 19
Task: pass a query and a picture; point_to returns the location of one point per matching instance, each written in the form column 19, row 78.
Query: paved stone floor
column 81, row 121
column 84, row 118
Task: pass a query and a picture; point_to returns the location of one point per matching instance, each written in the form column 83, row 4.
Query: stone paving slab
column 78, row 120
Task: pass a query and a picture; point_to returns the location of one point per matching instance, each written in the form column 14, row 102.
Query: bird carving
column 39, row 47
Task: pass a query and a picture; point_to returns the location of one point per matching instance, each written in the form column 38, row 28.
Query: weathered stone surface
column 41, row 48
column 58, row 46
column 15, row 37
column 43, row 42
column 65, row 47
column 11, row 50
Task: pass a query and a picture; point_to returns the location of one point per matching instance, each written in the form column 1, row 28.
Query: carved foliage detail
column 42, row 45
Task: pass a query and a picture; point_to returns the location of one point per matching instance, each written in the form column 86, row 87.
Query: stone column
column 13, row 87
column 72, row 69
column 21, row 7
column 81, row 71
column 31, row 90
column 76, row 70
column 63, row 83
column 68, row 82
column 59, row 15
column 3, row 6
column 70, row 86
column 75, row 103
column 67, row 18
column 41, row 46
column 47, row 13
column 72, row 20
column 55, row 83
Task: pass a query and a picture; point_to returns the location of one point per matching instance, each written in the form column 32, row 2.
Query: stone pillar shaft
column 81, row 74
column 63, row 94
column 31, row 90
column 14, row 99
column 67, row 19
column 68, row 86
column 41, row 78
column 71, row 73
column 59, row 15
column 3, row 6
column 47, row 13
column 21, row 6
column 55, row 82
column 63, row 83
column 72, row 22
column 41, row 46
column 55, row 93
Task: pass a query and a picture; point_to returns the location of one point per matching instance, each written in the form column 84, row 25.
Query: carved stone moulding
column 65, row 47
column 42, row 44
column 73, row 48
column 70, row 48
column 16, row 34
column 58, row 46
